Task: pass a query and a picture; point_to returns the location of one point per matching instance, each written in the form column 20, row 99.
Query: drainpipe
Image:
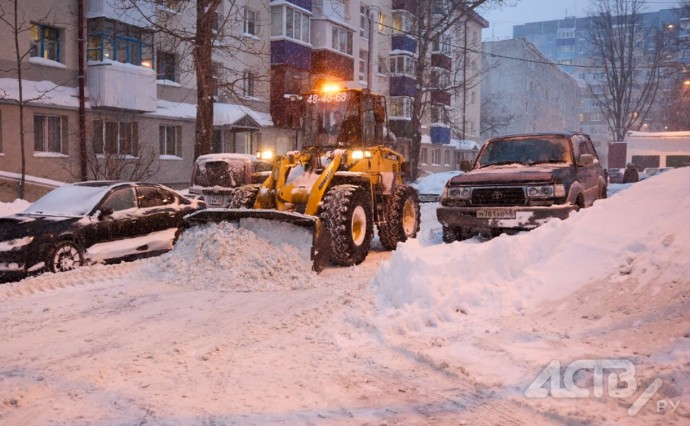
column 372, row 58
column 82, row 90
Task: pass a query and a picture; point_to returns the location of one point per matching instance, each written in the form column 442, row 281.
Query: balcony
column 406, row 5
column 440, row 135
column 114, row 84
column 404, row 43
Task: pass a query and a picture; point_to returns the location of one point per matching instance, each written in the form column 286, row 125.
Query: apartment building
column 567, row 42
column 534, row 90
column 136, row 111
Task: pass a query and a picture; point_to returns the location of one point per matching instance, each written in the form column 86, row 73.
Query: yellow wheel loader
column 343, row 182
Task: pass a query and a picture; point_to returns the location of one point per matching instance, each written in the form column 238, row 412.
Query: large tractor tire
column 244, row 197
column 346, row 215
column 401, row 217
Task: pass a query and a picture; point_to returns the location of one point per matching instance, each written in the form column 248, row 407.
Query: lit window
column 45, row 42
column 400, row 107
column 117, row 41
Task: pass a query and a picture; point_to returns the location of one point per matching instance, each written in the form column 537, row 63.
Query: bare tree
column 495, row 116
column 630, row 75
column 430, row 26
column 18, row 25
column 198, row 34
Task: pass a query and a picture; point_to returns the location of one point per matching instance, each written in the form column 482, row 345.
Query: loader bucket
column 304, row 232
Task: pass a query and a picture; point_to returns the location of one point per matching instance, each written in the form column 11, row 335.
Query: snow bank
column 222, row 257
column 642, row 231
column 15, row 206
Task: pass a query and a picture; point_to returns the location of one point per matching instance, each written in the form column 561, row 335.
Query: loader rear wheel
column 244, row 197
column 401, row 216
column 346, row 213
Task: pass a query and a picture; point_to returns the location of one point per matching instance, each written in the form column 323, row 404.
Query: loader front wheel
column 244, row 197
column 346, row 213
column 401, row 216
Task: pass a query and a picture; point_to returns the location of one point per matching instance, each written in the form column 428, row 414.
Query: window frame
column 164, row 143
column 116, row 134
column 44, row 144
column 250, row 27
column 39, row 39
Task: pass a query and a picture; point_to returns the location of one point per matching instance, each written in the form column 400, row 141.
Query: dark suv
column 519, row 182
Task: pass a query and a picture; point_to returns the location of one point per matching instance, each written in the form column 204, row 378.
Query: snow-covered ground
column 227, row 329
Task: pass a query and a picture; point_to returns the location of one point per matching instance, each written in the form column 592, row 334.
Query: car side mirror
column 465, row 165
column 586, row 160
column 105, row 211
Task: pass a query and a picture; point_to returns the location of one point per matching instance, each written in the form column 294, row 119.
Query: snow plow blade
column 304, row 232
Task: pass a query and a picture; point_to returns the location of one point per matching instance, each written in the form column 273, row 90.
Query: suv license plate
column 216, row 199
column 495, row 214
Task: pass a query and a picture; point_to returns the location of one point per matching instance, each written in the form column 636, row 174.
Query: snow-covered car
column 430, row 186
column 518, row 182
column 215, row 176
column 91, row 222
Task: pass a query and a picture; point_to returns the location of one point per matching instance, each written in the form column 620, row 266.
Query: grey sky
column 501, row 21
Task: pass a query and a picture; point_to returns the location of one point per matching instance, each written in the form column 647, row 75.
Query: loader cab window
column 327, row 117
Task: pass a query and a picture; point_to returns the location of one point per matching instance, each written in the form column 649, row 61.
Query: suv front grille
column 498, row 196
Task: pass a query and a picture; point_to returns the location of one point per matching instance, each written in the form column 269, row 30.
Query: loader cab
column 344, row 119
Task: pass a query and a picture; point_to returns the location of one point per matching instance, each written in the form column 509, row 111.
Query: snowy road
column 232, row 331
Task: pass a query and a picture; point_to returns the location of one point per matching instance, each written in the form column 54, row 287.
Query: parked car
column 91, row 222
column 215, row 176
column 430, row 186
column 519, row 182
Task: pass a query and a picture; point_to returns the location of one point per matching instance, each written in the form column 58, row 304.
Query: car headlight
column 15, row 243
column 459, row 193
column 546, row 191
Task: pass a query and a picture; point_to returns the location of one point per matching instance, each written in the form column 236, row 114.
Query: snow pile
column 15, row 206
column 219, row 256
column 434, row 183
column 616, row 238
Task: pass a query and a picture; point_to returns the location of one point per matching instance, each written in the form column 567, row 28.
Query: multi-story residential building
column 137, row 108
column 451, row 92
column 539, row 95
column 567, row 42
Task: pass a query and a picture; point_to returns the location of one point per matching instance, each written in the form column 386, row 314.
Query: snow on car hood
column 513, row 173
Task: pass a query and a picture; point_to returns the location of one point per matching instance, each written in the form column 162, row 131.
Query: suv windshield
column 525, row 150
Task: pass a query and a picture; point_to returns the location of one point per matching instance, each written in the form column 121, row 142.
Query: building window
column 250, row 22
column 447, row 155
column 596, row 116
column 117, row 41
column 248, row 81
column 423, row 156
column 401, row 107
column 170, row 140
column 440, row 44
column 440, row 78
column 215, row 78
column 165, row 66
column 402, row 65
column 402, row 22
column 363, row 22
column 342, row 40
column 50, row 133
column 436, row 156
column 381, row 65
column 439, row 115
column 45, row 42
column 382, row 23
column 290, row 23
column 363, row 65
column 115, row 138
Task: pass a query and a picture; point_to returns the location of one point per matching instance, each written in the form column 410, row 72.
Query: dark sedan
column 91, row 222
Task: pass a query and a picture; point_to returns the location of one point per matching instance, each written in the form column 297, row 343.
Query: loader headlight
column 360, row 154
column 264, row 155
